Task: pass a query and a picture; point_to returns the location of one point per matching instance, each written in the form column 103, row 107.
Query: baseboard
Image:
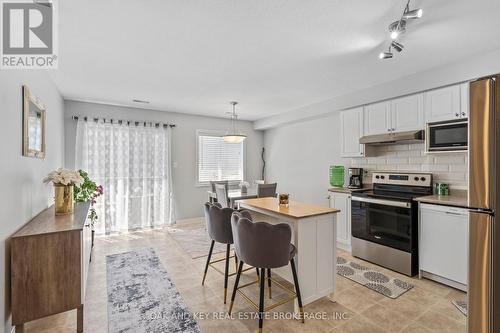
column 343, row 246
column 443, row 280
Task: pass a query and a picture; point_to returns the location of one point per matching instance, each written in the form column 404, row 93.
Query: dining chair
column 221, row 194
column 218, row 223
column 212, row 187
column 223, row 182
column 265, row 246
column 266, row 190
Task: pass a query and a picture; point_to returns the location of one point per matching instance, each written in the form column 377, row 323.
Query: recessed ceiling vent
column 140, row 101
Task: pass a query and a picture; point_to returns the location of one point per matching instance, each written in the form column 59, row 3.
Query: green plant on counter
column 88, row 191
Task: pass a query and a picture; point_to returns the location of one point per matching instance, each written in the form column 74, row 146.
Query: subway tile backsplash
column 448, row 168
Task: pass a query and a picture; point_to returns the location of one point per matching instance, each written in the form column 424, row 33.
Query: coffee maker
column 355, row 177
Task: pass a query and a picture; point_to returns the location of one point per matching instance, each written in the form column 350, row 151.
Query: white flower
column 64, row 177
column 244, row 184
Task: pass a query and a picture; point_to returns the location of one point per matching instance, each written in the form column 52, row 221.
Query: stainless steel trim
column 382, row 202
column 479, row 295
column 446, row 123
column 384, row 177
column 442, row 124
column 389, row 257
column 393, row 137
column 481, row 144
column 496, row 207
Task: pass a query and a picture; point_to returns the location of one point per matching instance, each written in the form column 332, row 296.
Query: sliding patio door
column 133, row 164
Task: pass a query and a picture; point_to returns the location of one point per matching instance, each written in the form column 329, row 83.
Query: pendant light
column 233, row 135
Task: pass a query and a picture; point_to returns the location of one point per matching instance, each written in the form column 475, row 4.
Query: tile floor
column 425, row 308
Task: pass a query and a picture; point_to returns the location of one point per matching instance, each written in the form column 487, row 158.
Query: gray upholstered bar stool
column 218, row 222
column 265, row 246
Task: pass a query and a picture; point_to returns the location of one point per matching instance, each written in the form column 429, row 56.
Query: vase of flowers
column 64, row 181
column 87, row 191
column 244, row 187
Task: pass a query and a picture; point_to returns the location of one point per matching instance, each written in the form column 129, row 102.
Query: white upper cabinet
column 407, row 113
column 351, row 128
column 397, row 115
column 445, row 103
column 377, row 118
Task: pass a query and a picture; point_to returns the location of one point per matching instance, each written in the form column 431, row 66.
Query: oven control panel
column 409, row 179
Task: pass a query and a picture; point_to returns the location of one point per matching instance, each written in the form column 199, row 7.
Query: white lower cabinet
column 443, row 244
column 342, row 201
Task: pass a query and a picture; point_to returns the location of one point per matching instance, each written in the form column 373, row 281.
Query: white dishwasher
column 443, row 244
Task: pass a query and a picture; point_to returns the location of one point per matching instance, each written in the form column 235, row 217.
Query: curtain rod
column 127, row 122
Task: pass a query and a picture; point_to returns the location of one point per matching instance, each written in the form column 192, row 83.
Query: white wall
column 188, row 197
column 299, row 156
column 466, row 70
column 22, row 194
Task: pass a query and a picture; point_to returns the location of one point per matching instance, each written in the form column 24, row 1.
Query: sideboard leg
column 20, row 328
column 79, row 319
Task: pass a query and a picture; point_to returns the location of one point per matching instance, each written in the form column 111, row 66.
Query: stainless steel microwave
column 447, row 135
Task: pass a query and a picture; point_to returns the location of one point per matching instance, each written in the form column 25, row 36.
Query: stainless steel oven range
column 385, row 220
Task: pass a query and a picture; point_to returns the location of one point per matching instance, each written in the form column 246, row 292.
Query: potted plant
column 64, row 181
column 88, row 191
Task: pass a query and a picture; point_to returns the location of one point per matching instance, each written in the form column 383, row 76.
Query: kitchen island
column 313, row 234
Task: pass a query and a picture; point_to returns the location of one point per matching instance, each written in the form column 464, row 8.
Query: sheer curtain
column 133, row 163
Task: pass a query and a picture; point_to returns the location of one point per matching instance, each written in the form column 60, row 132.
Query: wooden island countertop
column 295, row 209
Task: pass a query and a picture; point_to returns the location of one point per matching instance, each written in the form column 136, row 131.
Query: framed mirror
column 33, row 125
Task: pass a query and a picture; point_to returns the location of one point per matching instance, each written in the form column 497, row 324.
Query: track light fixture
column 398, row 27
column 385, row 55
column 413, row 14
column 397, row 46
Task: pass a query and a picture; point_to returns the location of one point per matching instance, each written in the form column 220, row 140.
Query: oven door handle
column 382, row 202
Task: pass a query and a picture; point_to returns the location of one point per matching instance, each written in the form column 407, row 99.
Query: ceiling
column 194, row 56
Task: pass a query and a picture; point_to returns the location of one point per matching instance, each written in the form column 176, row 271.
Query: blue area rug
column 142, row 298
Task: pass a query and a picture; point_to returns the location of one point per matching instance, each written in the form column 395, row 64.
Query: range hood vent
column 393, row 138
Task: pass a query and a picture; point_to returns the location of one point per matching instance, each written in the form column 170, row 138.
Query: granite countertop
column 456, row 198
column 348, row 190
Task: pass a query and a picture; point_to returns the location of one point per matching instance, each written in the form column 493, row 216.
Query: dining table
column 234, row 195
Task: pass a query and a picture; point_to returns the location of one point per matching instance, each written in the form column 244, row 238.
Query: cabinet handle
column 463, row 113
column 456, row 114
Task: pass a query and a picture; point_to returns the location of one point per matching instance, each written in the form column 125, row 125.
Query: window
column 217, row 159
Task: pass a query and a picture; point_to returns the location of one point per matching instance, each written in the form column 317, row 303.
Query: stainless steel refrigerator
column 484, row 203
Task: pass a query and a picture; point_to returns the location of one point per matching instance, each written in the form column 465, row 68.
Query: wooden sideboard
column 50, row 258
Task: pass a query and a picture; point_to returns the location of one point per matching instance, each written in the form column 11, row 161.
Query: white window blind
column 219, row 160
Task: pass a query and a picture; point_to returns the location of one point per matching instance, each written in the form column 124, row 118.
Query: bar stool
column 218, row 222
column 265, row 246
